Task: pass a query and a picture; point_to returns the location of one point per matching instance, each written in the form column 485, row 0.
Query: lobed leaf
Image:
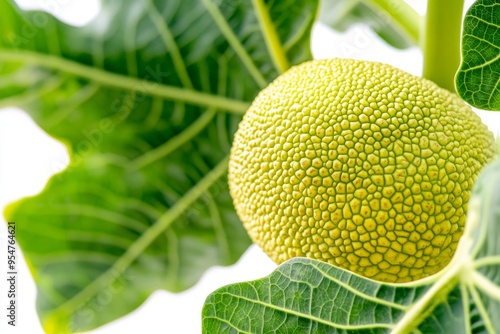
column 146, row 98
column 478, row 78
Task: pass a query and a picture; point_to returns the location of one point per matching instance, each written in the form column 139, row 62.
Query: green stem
column 404, row 16
column 441, row 41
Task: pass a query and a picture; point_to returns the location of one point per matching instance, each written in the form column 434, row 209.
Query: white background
column 28, row 157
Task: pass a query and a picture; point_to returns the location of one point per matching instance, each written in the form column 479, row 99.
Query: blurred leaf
column 147, row 98
column 478, row 77
column 309, row 296
column 342, row 14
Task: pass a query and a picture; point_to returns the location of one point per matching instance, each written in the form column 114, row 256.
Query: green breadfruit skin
column 358, row 164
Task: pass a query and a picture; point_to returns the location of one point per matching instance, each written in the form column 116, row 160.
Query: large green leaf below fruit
column 146, row 98
column 478, row 79
column 309, row 296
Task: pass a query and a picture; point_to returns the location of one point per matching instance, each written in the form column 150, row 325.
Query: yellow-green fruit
column 358, row 164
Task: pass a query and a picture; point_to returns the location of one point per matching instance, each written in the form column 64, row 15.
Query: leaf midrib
column 362, row 294
column 169, row 41
column 234, row 42
column 270, row 36
column 312, row 317
column 163, row 223
column 125, row 82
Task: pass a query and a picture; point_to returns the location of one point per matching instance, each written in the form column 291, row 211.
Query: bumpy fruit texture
column 358, row 164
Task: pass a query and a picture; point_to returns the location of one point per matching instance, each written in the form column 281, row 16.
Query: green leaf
column 382, row 19
column 309, row 296
column 478, row 78
column 146, row 98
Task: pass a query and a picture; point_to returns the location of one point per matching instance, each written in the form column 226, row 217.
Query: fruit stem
column 406, row 18
column 441, row 41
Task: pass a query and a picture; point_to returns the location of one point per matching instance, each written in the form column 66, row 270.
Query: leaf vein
column 270, row 35
column 146, row 238
column 235, row 42
column 121, row 81
column 481, row 308
column 311, row 317
column 361, row 294
column 169, row 41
